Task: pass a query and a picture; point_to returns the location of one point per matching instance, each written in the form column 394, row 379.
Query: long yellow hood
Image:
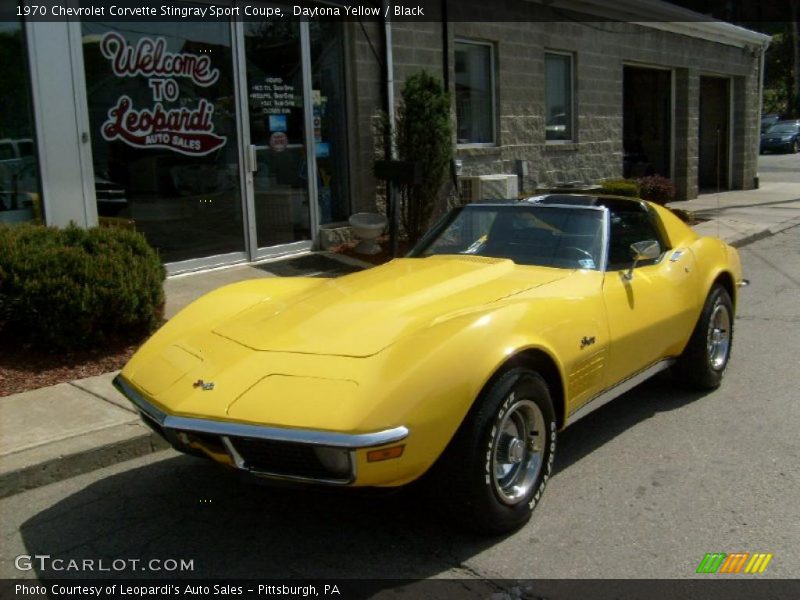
column 360, row 314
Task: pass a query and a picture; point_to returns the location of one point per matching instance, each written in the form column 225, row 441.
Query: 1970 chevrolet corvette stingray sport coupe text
column 461, row 362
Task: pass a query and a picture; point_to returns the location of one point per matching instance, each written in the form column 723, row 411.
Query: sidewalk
column 63, row 430
column 744, row 216
column 57, row 432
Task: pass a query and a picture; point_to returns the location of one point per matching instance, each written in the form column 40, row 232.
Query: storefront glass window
column 163, row 128
column 20, row 198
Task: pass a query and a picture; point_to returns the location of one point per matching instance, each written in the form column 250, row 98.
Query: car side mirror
column 645, row 250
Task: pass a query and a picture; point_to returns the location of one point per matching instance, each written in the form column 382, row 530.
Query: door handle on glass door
column 252, row 161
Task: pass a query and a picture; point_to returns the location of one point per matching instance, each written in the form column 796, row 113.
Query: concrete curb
column 753, row 237
column 117, row 444
column 765, row 233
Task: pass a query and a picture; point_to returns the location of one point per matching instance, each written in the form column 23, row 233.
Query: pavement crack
column 100, row 397
column 474, row 572
column 776, row 319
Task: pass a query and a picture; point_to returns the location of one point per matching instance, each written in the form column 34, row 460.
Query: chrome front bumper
column 233, row 437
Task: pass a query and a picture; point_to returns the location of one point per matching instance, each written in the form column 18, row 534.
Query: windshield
column 783, row 128
column 549, row 236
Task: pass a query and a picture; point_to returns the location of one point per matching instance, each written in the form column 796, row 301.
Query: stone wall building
column 646, row 98
column 235, row 141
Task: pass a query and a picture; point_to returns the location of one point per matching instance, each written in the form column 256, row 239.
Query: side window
column 559, row 97
column 475, row 95
column 629, row 227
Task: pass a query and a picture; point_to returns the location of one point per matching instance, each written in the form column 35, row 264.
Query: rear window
column 784, row 128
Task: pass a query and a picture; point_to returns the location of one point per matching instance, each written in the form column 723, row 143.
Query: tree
column 782, row 61
column 423, row 133
column 782, row 69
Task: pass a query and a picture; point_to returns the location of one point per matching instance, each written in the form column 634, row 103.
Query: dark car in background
column 768, row 121
column 784, row 136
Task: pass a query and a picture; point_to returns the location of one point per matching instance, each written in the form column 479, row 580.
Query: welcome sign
column 188, row 131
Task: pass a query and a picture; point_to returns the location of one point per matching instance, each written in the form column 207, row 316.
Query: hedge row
column 655, row 188
column 77, row 288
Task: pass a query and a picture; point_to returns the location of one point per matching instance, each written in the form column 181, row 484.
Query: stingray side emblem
column 587, row 341
column 205, row 386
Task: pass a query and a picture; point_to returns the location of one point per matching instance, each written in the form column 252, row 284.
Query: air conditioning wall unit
column 488, row 187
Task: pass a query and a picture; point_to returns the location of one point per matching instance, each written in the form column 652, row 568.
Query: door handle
column 251, row 162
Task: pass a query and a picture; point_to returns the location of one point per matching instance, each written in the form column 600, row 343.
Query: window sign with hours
column 273, row 95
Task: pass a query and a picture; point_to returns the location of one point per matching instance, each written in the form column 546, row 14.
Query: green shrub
column 423, row 134
column 657, row 189
column 74, row 288
column 620, row 187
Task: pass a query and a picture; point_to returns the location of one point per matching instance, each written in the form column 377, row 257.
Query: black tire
column 796, row 146
column 698, row 367
column 465, row 480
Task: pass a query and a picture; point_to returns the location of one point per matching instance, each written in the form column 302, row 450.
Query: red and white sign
column 150, row 58
column 185, row 130
column 188, row 131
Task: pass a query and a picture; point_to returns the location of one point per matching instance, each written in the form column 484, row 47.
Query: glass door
column 293, row 124
column 280, row 172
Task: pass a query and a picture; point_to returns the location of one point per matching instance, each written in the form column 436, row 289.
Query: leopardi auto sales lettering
column 185, row 130
column 180, row 129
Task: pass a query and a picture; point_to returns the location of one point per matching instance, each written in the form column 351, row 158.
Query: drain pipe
column 391, row 193
column 763, row 51
column 445, row 48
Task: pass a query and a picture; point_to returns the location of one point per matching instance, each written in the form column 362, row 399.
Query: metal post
column 718, row 158
column 391, row 193
column 311, row 149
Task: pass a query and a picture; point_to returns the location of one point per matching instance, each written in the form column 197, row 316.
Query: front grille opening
column 210, row 441
column 294, row 460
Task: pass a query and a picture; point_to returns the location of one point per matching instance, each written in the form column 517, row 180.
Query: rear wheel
column 495, row 469
column 705, row 359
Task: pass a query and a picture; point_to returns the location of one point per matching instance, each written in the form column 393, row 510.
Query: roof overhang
column 665, row 17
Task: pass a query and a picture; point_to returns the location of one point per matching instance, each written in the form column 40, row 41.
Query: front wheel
column 705, row 359
column 495, row 469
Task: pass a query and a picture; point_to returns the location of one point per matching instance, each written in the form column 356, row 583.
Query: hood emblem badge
column 586, row 341
column 205, row 386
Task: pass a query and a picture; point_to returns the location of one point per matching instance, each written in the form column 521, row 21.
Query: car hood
column 360, row 314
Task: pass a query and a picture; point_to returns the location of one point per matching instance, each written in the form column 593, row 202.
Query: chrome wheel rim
column 719, row 337
column 518, row 451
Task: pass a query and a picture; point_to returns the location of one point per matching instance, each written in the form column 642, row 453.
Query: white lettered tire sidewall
column 481, row 507
column 511, row 399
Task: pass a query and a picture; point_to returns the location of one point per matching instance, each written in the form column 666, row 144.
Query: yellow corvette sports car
column 508, row 322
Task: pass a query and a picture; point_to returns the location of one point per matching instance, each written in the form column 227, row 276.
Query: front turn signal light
column 385, row 453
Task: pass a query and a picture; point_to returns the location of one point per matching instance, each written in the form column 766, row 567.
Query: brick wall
column 600, row 51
